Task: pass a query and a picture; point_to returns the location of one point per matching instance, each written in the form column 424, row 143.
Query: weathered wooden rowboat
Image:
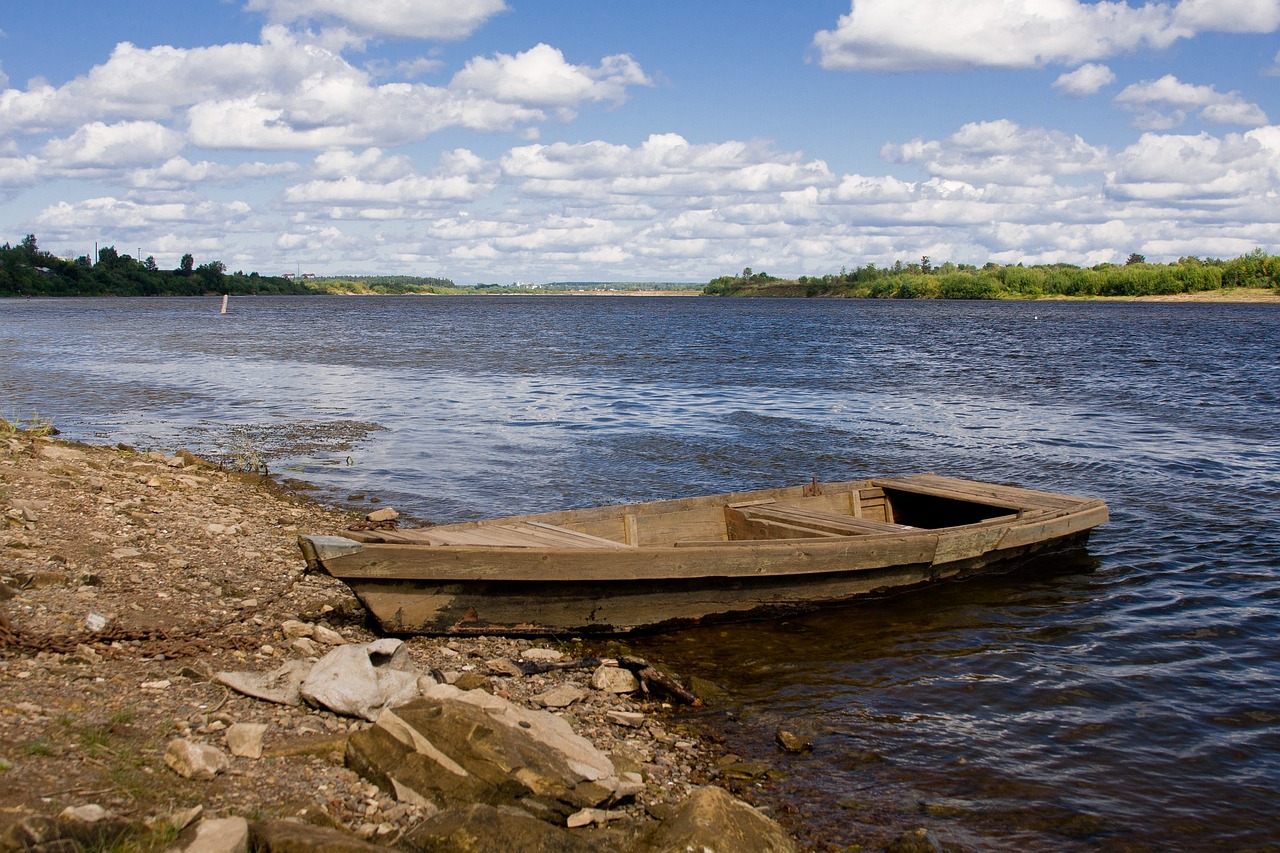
column 646, row 566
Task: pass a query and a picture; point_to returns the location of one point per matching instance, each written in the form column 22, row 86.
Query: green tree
column 185, row 267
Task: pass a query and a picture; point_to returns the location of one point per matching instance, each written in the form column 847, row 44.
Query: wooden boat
column 646, row 566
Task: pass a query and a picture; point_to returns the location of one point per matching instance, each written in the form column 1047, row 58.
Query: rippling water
column 1125, row 698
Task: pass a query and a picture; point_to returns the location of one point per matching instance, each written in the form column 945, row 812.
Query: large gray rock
column 455, row 747
column 710, row 820
column 479, row 827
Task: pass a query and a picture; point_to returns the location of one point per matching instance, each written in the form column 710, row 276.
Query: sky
column 663, row 140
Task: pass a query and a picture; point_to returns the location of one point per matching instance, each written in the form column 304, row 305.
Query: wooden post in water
column 224, row 302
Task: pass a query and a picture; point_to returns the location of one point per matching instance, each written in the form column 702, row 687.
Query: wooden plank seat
column 776, row 521
column 519, row 534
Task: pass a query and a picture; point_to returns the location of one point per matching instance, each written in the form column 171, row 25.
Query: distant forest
column 923, row 280
column 26, row 270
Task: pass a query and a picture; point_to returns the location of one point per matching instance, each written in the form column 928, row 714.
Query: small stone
column 614, row 679
column 538, row 654
column 293, row 629
column 502, row 666
column 630, row 719
column 792, row 742
column 381, row 515
column 305, row 646
column 245, row 739
column 92, row 813
column 328, row 636
column 560, row 696
column 222, row 835
column 193, row 760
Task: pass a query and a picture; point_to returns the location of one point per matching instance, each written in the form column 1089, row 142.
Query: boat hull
column 611, row 607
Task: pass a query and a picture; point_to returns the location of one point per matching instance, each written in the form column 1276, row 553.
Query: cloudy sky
column 668, row 140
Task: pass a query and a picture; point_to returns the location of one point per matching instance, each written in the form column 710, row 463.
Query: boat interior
column 814, row 511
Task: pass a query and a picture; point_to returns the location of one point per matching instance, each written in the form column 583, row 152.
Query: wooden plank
column 571, row 537
column 543, row 565
column 825, row 522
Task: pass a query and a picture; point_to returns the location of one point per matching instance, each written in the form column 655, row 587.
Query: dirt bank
column 128, row 579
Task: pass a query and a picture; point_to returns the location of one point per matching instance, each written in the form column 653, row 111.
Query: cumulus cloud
column 1165, row 103
column 285, row 94
column 886, row 35
column 350, row 184
column 413, row 19
column 1001, row 152
column 1186, row 169
column 1086, row 80
column 98, row 145
column 663, row 165
column 541, row 76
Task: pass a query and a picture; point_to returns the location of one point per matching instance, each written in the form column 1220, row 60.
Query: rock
column 792, row 742
column 473, row 681
column 361, row 680
column 224, row 835
column 538, row 654
column 560, row 696
column 89, row 827
column 502, row 666
column 455, row 747
column 479, row 827
column 306, row 647
column 282, row 686
column 245, row 739
column 293, row 629
column 328, row 636
column 291, row 836
column 916, row 841
column 710, row 820
column 91, row 813
column 193, row 760
column 380, row 515
column 631, row 719
column 614, row 679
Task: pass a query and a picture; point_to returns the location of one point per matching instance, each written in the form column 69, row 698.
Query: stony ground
column 128, row 579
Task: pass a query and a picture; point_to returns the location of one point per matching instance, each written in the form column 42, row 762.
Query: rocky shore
column 166, row 675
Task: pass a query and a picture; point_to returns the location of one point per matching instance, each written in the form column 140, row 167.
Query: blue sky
column 501, row 140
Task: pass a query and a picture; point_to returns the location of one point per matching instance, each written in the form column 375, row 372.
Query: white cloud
column 665, row 165
column 1188, row 170
column 415, row 19
column 888, row 35
column 349, row 183
column 541, row 76
column 98, row 145
column 1229, row 16
column 1169, row 93
column 178, row 173
column 1086, row 80
column 1001, row 152
column 285, row 94
column 107, row 215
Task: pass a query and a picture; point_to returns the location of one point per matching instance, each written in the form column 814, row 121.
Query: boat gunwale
column 447, row 564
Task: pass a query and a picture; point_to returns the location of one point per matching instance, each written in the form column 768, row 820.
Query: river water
column 1126, row 697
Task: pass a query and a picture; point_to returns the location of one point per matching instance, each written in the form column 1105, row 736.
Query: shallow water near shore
column 1126, row 697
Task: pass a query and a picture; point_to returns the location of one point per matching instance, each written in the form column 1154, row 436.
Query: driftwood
column 648, row 674
column 651, row 675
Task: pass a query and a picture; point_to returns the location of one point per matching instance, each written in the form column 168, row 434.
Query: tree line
column 923, row 280
column 28, row 270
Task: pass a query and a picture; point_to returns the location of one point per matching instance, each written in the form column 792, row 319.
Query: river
column 1122, row 698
